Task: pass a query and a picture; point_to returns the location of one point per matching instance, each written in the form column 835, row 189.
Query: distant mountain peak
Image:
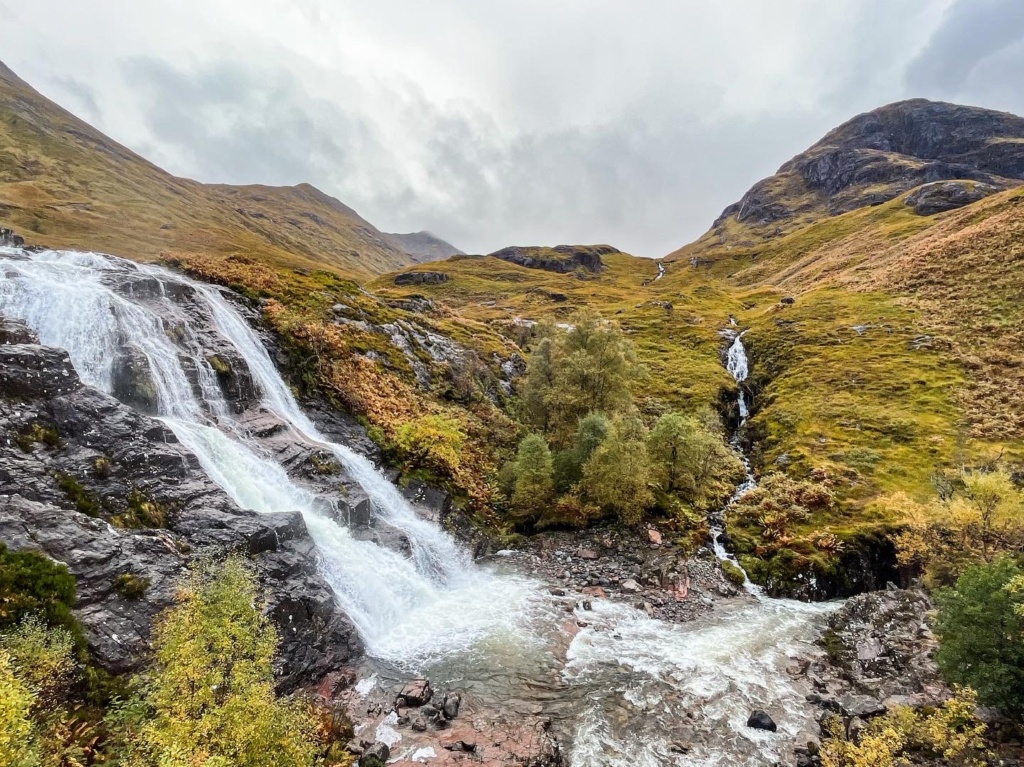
column 873, row 158
column 424, row 246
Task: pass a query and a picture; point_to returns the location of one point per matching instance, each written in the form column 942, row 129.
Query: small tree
column 978, row 520
column 617, row 477
column 534, row 477
column 211, row 693
column 981, row 634
column 538, row 383
column 689, row 457
column 593, row 429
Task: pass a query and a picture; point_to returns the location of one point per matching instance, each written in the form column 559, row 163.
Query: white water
column 631, row 683
column 409, row 611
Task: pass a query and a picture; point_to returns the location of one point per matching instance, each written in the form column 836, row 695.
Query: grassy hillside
column 65, row 184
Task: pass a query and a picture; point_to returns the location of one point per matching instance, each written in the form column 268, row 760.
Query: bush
column 17, row 748
column 131, row 586
column 616, row 479
column 210, row 697
column 690, row 458
column 433, row 441
column 951, row 734
column 32, row 583
column 981, row 634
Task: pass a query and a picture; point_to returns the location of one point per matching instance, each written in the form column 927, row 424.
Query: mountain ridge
column 65, row 184
column 871, row 159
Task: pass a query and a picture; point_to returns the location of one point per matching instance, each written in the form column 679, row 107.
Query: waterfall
column 737, row 364
column 408, row 610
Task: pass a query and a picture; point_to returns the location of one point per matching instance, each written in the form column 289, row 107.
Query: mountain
column 65, row 184
column 424, row 246
column 951, row 155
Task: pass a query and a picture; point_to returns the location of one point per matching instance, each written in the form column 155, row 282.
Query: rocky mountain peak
column 876, row 157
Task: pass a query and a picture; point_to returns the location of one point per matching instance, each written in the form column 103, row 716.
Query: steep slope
column 896, row 242
column 424, row 246
column 65, row 184
column 872, row 159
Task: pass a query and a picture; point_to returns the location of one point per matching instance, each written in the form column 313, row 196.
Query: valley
column 549, row 506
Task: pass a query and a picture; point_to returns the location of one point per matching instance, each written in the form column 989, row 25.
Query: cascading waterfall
column 407, row 610
column 628, row 685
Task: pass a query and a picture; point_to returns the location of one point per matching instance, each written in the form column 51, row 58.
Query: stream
column 619, row 688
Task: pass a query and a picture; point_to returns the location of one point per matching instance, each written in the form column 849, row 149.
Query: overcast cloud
column 496, row 123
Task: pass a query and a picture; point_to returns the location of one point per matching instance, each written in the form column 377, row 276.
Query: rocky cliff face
column 112, row 494
column 561, row 258
column 876, row 157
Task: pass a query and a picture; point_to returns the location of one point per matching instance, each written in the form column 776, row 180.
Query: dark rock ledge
column 73, row 460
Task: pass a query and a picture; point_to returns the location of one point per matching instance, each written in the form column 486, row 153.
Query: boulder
column 940, row 196
column 376, row 755
column 421, row 278
column 8, row 239
column 416, row 693
column 761, row 720
column 14, row 331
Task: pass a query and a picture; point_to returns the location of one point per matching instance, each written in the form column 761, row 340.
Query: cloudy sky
column 494, row 122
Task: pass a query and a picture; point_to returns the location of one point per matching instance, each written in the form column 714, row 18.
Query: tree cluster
column 589, row 453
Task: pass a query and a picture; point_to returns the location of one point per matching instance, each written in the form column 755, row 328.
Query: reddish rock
column 654, row 536
column 594, row 591
column 588, row 554
column 415, row 693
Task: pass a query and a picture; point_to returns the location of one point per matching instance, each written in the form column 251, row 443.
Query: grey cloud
column 973, row 32
column 493, row 124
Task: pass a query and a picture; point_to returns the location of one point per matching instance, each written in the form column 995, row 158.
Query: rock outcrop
column 109, row 491
column 876, row 157
column 561, row 258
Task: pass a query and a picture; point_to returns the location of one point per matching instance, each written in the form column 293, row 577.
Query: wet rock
column 14, row 331
column 452, row 702
column 761, row 720
column 859, row 706
column 31, row 372
column 376, row 755
column 8, row 239
column 415, row 693
column 630, row 586
column 133, row 380
column 111, row 451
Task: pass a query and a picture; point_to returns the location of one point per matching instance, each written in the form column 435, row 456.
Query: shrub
column 131, row 586
column 778, row 504
column 210, row 698
column 142, row 512
column 617, row 477
column 981, row 634
column 17, row 748
column 42, row 659
column 434, row 441
column 689, row 458
column 32, row 583
column 951, row 733
column 37, row 434
column 84, row 501
column 976, row 518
